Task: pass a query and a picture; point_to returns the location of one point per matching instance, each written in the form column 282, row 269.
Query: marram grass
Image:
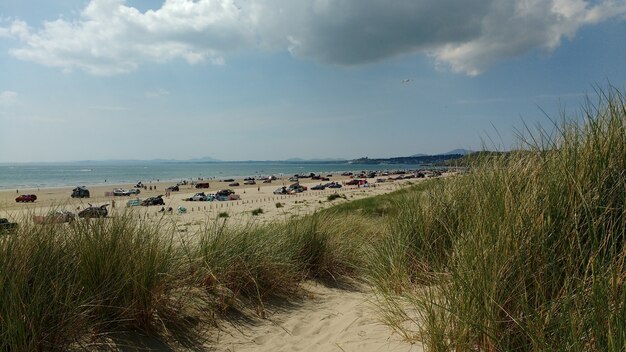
column 525, row 253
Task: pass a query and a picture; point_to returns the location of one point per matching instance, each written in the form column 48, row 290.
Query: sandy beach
column 253, row 197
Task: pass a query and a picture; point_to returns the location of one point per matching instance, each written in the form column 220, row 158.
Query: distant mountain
column 204, row 159
column 417, row 155
column 423, row 160
column 459, row 151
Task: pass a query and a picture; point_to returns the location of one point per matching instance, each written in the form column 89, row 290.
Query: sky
column 279, row 79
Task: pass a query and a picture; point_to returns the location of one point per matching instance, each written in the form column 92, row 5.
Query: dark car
column 318, row 187
column 229, row 180
column 224, row 192
column 333, row 185
column 80, row 192
column 5, row 225
column 94, row 212
column 26, row 198
column 202, row 185
column 172, row 189
column 158, row 200
column 234, row 184
column 282, row 190
column 352, row 182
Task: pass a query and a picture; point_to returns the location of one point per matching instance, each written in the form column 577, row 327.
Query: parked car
column 296, row 188
column 202, row 185
column 224, row 192
column 228, row 180
column 26, row 198
column 158, row 200
column 173, row 188
column 139, row 185
column 319, row 187
column 133, row 203
column 249, row 182
column 120, row 192
column 197, row 197
column 134, row 191
column 233, row 184
column 333, row 185
column 282, row 190
column 6, row 225
column 80, row 192
column 267, row 181
column 94, row 212
column 352, row 182
column 55, row 217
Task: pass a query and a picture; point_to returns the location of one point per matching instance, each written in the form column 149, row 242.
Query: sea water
column 46, row 175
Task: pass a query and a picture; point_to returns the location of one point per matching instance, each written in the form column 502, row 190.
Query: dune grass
column 60, row 282
column 75, row 285
column 524, row 253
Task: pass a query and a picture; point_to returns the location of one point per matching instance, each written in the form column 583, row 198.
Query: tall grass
column 251, row 264
column 524, row 253
column 61, row 282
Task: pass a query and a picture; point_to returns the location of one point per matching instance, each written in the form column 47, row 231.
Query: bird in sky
column 407, row 80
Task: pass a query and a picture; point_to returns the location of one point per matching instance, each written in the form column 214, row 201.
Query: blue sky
column 277, row 79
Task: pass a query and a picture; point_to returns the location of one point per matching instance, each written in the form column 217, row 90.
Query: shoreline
column 297, row 169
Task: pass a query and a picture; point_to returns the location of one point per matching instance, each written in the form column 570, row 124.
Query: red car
column 26, row 198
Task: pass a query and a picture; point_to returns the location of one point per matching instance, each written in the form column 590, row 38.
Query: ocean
column 48, row 175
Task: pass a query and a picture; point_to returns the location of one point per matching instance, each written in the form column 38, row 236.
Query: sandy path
column 331, row 320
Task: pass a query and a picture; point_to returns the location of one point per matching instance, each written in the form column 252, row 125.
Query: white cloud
column 112, row 38
column 511, row 29
column 8, row 97
column 468, row 36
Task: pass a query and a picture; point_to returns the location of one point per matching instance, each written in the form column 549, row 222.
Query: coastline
column 29, row 177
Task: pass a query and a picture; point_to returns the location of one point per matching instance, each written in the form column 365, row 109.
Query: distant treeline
column 424, row 159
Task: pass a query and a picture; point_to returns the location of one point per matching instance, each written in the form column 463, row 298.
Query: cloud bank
column 468, row 36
